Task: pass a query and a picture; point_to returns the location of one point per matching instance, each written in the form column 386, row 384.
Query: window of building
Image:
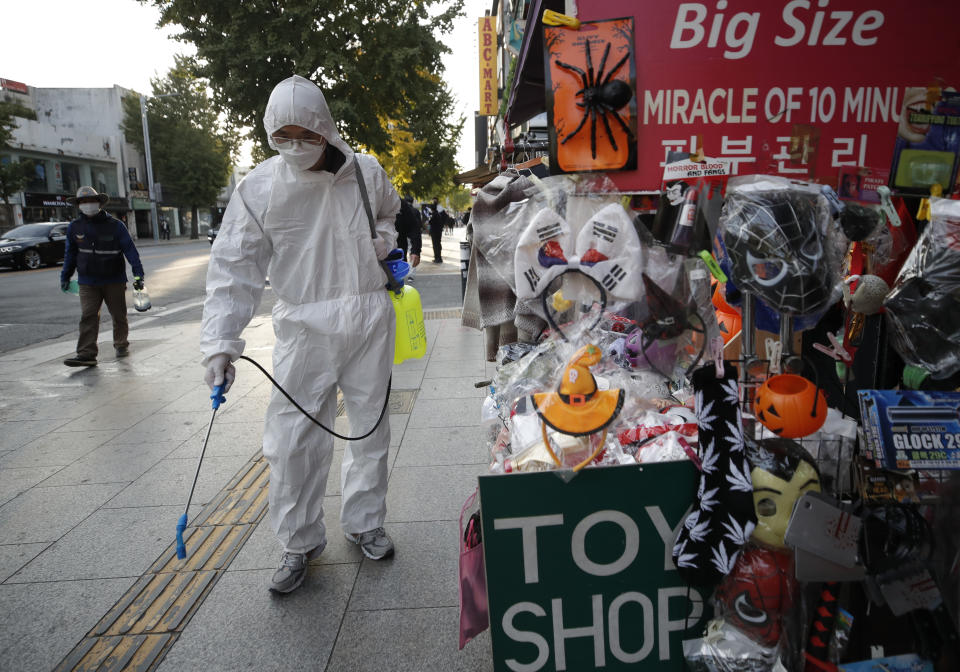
column 104, row 179
column 70, row 172
column 37, row 174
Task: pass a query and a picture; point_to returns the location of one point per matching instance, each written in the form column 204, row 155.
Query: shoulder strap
column 392, row 283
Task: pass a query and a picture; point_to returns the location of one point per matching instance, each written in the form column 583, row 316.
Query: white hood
column 299, row 102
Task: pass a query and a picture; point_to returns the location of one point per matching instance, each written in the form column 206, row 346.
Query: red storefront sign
column 11, row 85
column 799, row 88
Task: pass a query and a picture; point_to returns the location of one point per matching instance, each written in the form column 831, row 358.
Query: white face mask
column 89, row 209
column 302, row 156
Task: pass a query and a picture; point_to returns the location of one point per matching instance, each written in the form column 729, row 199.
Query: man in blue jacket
column 96, row 246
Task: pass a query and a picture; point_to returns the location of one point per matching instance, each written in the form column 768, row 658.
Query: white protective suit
column 333, row 320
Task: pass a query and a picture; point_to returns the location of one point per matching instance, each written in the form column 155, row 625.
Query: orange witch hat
column 578, row 407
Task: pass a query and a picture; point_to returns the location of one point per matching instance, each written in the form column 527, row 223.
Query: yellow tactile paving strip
column 142, row 626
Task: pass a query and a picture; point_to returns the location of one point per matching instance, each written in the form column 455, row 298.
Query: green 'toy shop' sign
column 579, row 573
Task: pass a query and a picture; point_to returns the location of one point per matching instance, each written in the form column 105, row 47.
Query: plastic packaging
column 725, row 649
column 783, row 243
column 759, row 594
column 141, row 300
column 858, row 222
column 923, row 309
column 73, row 287
column 841, row 635
column 507, row 205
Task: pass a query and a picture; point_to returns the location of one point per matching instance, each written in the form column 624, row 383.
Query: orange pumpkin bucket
column 790, row 406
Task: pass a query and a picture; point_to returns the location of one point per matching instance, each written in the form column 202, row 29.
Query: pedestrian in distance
column 300, row 218
column 435, row 222
column 409, row 236
column 95, row 247
column 164, row 230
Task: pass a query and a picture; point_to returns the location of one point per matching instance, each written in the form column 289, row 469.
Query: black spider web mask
column 780, row 249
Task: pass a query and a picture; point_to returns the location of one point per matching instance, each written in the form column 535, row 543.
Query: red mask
column 756, row 594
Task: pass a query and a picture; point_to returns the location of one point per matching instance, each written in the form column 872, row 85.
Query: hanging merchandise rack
column 832, row 545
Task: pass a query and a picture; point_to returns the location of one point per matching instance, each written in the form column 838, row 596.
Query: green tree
column 191, row 149
column 377, row 61
column 13, row 175
column 399, row 160
column 458, row 198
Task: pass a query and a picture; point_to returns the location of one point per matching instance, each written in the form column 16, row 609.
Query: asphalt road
column 33, row 309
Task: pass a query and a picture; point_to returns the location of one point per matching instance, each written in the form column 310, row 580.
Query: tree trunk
column 194, row 223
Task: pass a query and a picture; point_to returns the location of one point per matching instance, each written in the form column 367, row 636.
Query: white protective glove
column 220, row 372
column 380, row 247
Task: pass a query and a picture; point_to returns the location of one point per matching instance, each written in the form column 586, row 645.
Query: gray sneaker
column 292, row 570
column 290, row 573
column 375, row 544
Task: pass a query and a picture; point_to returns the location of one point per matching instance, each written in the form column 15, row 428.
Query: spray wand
column 218, row 399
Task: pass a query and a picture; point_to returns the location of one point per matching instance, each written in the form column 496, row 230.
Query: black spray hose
column 383, row 410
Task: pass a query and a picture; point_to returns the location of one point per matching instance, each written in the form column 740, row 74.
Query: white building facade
column 76, row 140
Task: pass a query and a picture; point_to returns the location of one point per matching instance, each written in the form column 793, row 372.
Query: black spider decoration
column 601, row 96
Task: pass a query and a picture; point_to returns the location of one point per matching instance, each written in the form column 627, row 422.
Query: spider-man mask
column 779, row 249
column 756, row 594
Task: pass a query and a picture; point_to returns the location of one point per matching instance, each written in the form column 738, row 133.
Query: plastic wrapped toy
column 758, row 593
column 724, row 648
column 578, row 408
column 923, row 308
column 783, row 243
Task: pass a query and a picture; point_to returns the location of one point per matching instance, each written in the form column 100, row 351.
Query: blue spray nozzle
column 181, row 527
column 217, row 396
column 399, row 269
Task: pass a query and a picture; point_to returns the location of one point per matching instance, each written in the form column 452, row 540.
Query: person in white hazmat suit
column 299, row 218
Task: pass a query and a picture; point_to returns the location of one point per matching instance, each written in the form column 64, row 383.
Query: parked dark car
column 33, row 245
column 212, row 234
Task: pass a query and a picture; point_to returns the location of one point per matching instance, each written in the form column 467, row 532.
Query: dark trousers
column 437, row 245
column 91, row 298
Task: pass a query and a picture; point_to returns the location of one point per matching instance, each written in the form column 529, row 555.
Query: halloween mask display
column 783, row 245
column 630, row 373
column 782, row 472
column 756, row 594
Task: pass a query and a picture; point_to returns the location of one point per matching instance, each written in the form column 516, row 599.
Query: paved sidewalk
column 95, row 467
